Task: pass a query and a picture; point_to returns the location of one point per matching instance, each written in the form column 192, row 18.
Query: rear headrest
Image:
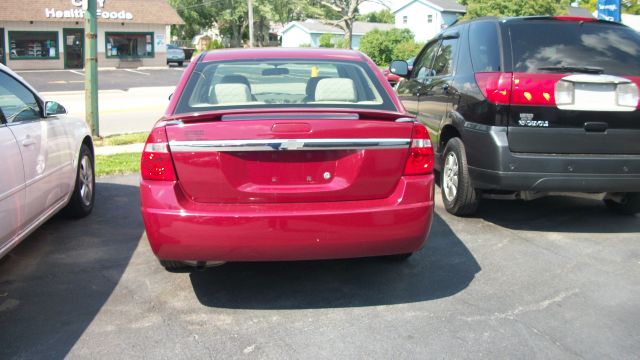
column 312, row 84
column 232, row 93
column 235, row 79
column 335, row 89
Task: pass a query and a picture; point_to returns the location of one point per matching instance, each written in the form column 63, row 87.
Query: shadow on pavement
column 55, row 282
column 557, row 214
column 443, row 268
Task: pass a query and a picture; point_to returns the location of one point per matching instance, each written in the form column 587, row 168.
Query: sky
column 370, row 6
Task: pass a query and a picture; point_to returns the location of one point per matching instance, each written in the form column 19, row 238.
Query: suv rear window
column 538, row 44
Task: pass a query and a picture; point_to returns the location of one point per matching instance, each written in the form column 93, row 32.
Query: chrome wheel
column 86, row 180
column 450, row 177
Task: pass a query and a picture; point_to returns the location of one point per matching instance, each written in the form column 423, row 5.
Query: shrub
column 406, row 50
column 380, row 46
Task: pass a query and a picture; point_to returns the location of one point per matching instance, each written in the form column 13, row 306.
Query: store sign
column 609, row 10
column 78, row 13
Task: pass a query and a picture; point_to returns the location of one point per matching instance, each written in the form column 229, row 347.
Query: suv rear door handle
column 28, row 142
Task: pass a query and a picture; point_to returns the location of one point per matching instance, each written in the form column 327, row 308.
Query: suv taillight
column 420, row 160
column 528, row 89
column 156, row 163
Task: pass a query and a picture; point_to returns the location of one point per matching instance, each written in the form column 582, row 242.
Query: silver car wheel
column 86, row 180
column 450, row 176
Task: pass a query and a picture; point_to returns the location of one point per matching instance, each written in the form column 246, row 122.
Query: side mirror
column 399, row 67
column 52, row 108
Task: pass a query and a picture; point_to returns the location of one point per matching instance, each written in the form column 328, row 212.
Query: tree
column 381, row 46
column 479, row 8
column 382, row 16
column 348, row 10
column 196, row 16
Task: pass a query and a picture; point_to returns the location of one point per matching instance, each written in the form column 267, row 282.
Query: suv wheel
column 458, row 196
column 628, row 204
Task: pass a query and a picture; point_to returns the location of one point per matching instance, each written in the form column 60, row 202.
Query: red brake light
column 495, row 86
column 574, row 18
column 528, row 89
column 156, row 163
column 420, row 160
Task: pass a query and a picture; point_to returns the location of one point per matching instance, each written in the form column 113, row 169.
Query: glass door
column 2, row 57
column 73, row 48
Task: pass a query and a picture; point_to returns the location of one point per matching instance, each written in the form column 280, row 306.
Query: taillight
column 528, row 89
column 156, row 163
column 420, row 160
column 495, row 86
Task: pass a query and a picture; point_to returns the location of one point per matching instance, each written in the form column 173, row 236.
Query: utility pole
column 91, row 66
column 250, row 7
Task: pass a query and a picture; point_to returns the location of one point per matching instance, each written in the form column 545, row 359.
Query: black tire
column 84, row 191
column 398, row 257
column 180, row 63
column 464, row 200
column 171, row 265
column 629, row 204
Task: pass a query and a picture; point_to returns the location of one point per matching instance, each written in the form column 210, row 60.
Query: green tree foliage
column 326, row 41
column 406, row 50
column 381, row 46
column 195, row 15
column 479, row 8
column 382, row 16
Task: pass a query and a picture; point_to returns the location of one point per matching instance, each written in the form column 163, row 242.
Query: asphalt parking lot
column 108, row 79
column 554, row 278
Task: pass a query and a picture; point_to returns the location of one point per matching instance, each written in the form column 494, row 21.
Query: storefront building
column 49, row 34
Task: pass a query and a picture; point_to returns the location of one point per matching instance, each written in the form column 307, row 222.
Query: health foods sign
column 77, row 13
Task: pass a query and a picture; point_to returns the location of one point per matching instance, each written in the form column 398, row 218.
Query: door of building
column 73, row 48
column 2, row 59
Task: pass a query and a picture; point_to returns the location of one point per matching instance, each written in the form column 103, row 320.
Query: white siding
column 417, row 15
column 295, row 36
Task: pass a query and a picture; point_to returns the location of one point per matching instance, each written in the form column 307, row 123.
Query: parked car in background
column 47, row 161
column 527, row 107
column 285, row 154
column 175, row 55
column 392, row 78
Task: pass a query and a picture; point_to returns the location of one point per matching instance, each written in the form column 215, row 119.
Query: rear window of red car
column 283, row 83
column 538, row 44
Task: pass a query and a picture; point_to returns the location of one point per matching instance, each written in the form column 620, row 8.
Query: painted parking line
column 77, row 72
column 137, row 72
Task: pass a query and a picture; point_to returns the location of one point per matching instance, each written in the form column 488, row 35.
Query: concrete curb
column 119, row 149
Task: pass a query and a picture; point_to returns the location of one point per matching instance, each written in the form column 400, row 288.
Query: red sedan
column 280, row 154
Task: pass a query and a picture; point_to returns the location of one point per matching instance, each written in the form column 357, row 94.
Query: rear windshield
column 283, row 83
column 541, row 44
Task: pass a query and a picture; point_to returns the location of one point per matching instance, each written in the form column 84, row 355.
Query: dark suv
column 527, row 107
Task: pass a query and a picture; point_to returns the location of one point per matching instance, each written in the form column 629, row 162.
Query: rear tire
column 180, row 63
column 397, row 257
column 458, row 195
column 171, row 265
column 82, row 199
column 629, row 204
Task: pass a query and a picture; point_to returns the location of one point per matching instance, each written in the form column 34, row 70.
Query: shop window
column 33, row 45
column 129, row 45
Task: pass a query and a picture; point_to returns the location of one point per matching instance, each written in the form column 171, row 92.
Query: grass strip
column 123, row 139
column 117, row 164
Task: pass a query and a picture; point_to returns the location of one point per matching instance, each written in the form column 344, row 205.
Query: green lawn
column 121, row 139
column 117, row 164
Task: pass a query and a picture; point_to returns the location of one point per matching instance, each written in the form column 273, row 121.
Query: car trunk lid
column 276, row 158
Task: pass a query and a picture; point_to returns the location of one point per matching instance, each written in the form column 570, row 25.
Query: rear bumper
column 180, row 229
column 492, row 166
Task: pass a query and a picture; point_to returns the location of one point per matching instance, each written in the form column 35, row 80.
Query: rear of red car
column 252, row 165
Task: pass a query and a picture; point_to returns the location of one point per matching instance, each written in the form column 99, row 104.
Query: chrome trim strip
column 287, row 144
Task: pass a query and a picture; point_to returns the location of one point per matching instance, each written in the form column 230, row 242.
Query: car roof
column 282, row 53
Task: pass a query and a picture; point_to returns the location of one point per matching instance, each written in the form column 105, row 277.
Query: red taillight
column 574, row 18
column 420, row 160
column 156, row 163
column 519, row 88
column 495, row 86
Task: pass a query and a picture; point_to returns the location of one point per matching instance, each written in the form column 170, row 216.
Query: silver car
column 48, row 162
column 175, row 55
